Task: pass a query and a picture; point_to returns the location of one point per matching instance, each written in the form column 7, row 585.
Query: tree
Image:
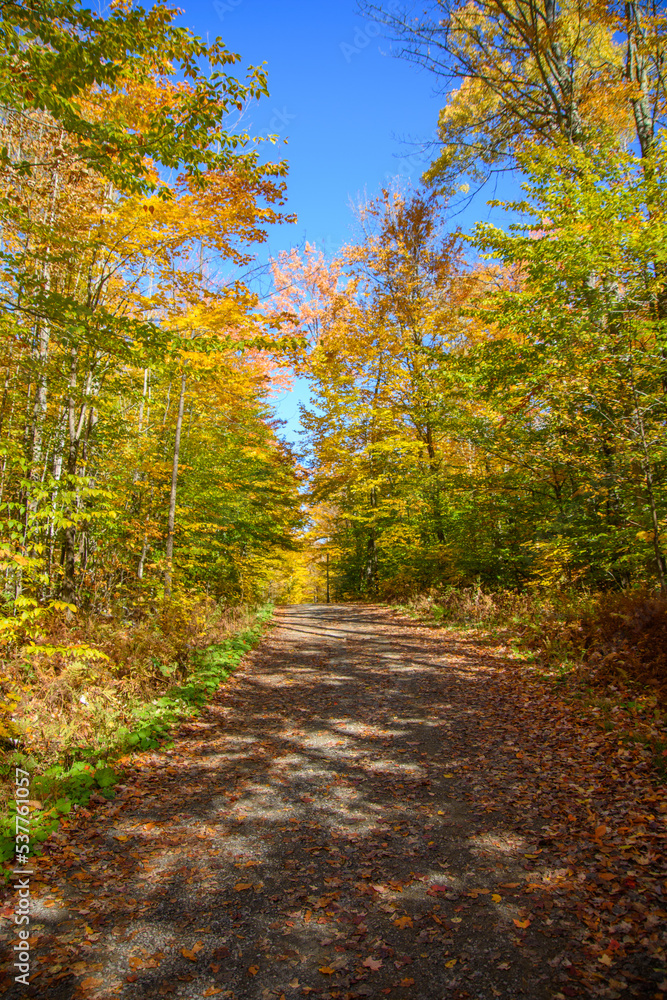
column 501, row 423
column 116, row 281
column 534, row 71
column 578, row 369
column 58, row 60
column 378, row 406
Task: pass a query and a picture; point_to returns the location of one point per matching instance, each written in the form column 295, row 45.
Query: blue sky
column 354, row 115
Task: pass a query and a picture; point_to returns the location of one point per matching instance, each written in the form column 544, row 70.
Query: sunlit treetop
column 54, row 53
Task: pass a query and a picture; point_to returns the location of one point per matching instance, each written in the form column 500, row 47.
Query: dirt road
column 367, row 809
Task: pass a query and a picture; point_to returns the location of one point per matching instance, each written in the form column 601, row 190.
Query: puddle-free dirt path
column 365, row 810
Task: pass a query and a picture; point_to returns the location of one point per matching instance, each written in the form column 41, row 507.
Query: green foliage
column 57, row 789
column 506, row 427
column 575, row 375
column 53, row 52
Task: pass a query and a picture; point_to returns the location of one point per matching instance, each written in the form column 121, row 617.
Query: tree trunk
column 650, row 493
column 142, row 558
column 169, row 550
column 43, row 339
column 76, row 428
column 68, row 556
column 143, row 401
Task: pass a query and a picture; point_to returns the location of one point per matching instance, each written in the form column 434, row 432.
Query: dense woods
column 487, row 408
column 137, row 445
column 144, row 490
column 490, row 408
column 467, row 805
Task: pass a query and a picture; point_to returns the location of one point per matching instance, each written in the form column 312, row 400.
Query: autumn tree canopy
column 138, row 448
column 485, row 406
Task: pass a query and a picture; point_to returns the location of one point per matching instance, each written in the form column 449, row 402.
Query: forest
column 490, row 407
column 486, row 422
column 143, row 482
column 381, row 712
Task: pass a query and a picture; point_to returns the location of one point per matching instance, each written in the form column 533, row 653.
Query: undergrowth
column 608, row 649
column 78, row 717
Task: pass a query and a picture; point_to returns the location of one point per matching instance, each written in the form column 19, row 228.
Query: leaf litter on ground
column 411, row 815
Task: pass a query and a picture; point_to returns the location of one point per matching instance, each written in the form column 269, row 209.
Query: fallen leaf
column 326, row 970
column 403, row 922
column 496, row 898
column 242, row 886
column 407, row 981
column 522, row 924
column 191, row 953
column 211, row 991
column 451, row 963
column 253, row 970
column 372, row 963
